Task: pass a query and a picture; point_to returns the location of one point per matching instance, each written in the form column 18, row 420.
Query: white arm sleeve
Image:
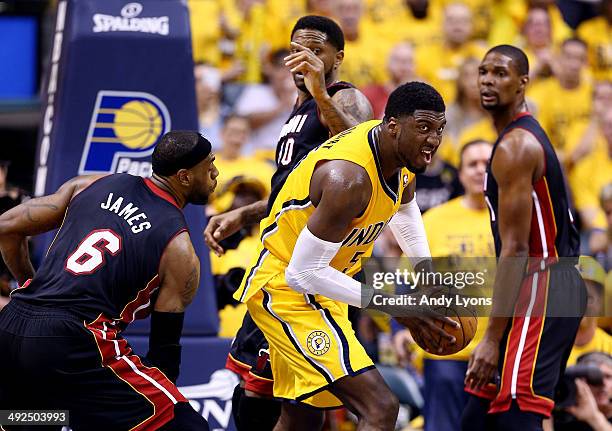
column 409, row 231
column 309, row 271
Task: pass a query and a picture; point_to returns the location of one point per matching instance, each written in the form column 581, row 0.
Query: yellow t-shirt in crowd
column 454, row 230
column 250, row 167
column 205, row 19
column 365, row 58
column 399, row 25
column 597, row 33
column 482, row 16
column 230, row 318
column 587, row 180
column 439, row 65
column 509, row 18
column 558, row 108
column 601, row 342
column 575, row 133
column 450, row 149
column 260, row 33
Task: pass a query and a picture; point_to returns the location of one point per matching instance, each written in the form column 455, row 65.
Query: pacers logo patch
column 318, row 343
column 124, row 128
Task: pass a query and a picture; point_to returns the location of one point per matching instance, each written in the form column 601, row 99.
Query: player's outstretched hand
column 303, row 60
column 220, row 227
column 482, row 365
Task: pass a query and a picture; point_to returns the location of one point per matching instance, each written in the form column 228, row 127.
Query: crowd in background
column 245, row 94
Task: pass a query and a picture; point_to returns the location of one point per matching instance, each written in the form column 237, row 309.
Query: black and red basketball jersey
column 553, row 233
column 302, row 133
column 105, row 257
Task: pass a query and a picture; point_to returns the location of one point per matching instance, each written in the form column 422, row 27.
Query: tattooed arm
column 345, row 109
column 31, row 218
column 179, row 273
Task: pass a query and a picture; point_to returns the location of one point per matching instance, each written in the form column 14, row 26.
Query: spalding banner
column 120, row 76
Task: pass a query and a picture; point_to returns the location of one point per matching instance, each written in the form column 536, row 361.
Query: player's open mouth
column 488, row 96
column 427, row 154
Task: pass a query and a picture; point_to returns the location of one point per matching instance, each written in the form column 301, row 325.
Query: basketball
column 468, row 322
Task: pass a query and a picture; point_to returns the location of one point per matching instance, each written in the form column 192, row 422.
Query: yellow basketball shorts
column 312, row 343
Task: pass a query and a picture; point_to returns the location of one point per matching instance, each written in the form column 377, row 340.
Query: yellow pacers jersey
column 292, row 208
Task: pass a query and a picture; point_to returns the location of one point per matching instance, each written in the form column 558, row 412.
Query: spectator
column 439, row 183
column 267, row 106
column 585, row 137
column 439, row 63
column 482, row 13
column 458, row 228
column 587, row 181
column 517, row 13
column 606, row 205
column 231, row 162
column 415, row 21
column 260, row 33
column 538, row 43
column 465, row 118
column 565, row 98
column 591, row 338
column 213, row 22
column 229, row 268
column 208, row 100
column 363, row 47
column 593, row 409
column 597, row 32
column 400, row 69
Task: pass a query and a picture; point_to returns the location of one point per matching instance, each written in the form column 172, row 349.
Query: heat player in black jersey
column 122, row 241
column 325, row 107
column 538, row 295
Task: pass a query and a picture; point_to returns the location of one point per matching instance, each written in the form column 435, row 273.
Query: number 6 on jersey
column 90, row 254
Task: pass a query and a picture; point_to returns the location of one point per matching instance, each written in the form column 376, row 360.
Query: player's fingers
column 224, row 230
column 441, row 318
column 484, row 376
column 209, row 238
column 304, row 66
column 469, row 379
column 299, row 47
column 296, row 59
column 431, row 337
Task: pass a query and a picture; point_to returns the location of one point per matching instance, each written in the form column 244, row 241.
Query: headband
column 188, row 160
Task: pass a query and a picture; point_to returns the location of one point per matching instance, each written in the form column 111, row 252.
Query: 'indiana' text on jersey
column 292, row 208
column 105, row 257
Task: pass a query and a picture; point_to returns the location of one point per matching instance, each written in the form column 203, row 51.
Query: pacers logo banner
column 124, row 128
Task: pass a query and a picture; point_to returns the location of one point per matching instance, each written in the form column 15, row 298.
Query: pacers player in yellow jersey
column 328, row 213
